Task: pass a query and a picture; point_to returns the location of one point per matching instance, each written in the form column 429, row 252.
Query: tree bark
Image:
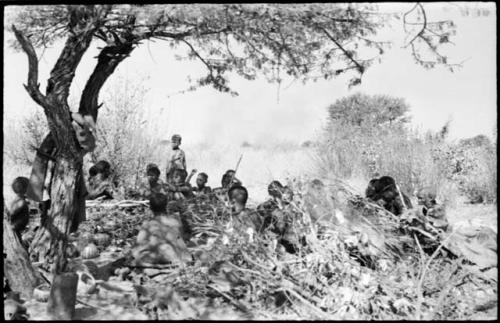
column 51, row 239
column 21, row 275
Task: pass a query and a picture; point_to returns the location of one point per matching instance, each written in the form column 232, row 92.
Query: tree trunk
column 50, row 241
column 21, row 275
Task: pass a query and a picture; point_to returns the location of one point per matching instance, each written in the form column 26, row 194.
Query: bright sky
column 468, row 96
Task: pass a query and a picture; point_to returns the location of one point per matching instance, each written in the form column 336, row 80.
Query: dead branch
column 32, row 86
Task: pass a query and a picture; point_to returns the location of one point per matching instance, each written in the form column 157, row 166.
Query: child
column 201, row 188
column 177, row 159
column 434, row 212
column 99, row 181
column 178, row 188
column 153, row 184
column 238, row 196
column 19, row 208
column 228, row 180
column 158, row 203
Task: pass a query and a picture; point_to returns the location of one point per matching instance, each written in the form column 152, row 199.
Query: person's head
column 201, row 179
column 179, row 176
column 176, row 141
column 104, row 168
column 92, row 171
column 238, row 196
column 426, row 196
column 153, row 173
column 287, row 194
column 20, row 185
column 158, row 203
column 275, row 189
column 228, row 179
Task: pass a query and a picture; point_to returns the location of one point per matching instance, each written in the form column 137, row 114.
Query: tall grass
column 415, row 160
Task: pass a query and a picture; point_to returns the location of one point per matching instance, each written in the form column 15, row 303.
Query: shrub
column 122, row 136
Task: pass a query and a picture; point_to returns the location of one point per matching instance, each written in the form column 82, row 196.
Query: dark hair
column 103, row 167
column 275, row 189
column 158, row 202
column 20, row 185
column 92, row 171
column 204, row 175
column 152, row 169
column 240, row 198
column 180, row 172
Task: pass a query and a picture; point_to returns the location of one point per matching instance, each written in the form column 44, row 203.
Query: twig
column 318, row 312
column 229, row 298
column 424, row 271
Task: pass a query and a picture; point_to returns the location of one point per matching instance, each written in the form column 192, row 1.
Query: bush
column 351, row 148
column 122, row 136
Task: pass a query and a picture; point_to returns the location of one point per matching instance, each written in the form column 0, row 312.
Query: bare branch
column 32, row 86
column 424, row 24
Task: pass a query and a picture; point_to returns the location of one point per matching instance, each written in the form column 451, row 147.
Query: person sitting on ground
column 288, row 223
column 158, row 203
column 176, row 160
column 201, row 188
column 275, row 202
column 153, row 183
column 238, row 196
column 229, row 180
column 385, row 192
column 18, row 210
column 178, row 189
column 100, row 185
column 434, row 212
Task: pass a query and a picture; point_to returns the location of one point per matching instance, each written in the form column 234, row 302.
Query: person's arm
column 183, row 156
column 184, row 188
column 188, row 179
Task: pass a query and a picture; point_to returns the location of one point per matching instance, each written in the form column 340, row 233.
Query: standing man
column 177, row 158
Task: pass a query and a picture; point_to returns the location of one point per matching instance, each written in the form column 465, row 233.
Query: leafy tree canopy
column 364, row 110
column 306, row 41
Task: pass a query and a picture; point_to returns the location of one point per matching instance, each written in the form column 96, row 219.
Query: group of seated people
column 278, row 214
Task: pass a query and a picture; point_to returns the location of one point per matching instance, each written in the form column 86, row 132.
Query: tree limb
column 359, row 67
column 107, row 61
column 32, row 86
column 84, row 21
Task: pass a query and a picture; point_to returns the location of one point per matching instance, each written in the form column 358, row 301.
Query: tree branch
column 83, row 23
column 107, row 61
column 32, row 86
column 359, row 67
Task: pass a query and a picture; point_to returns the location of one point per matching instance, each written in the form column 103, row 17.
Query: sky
column 467, row 97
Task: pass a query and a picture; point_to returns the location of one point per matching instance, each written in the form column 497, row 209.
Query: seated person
column 99, row 181
column 238, row 196
column 18, row 210
column 179, row 189
column 385, row 192
column 153, row 183
column 201, row 188
column 287, row 223
column 229, row 180
column 434, row 212
column 274, row 189
column 280, row 197
column 158, row 203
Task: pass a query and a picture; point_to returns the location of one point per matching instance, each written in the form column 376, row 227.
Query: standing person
column 177, row 158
